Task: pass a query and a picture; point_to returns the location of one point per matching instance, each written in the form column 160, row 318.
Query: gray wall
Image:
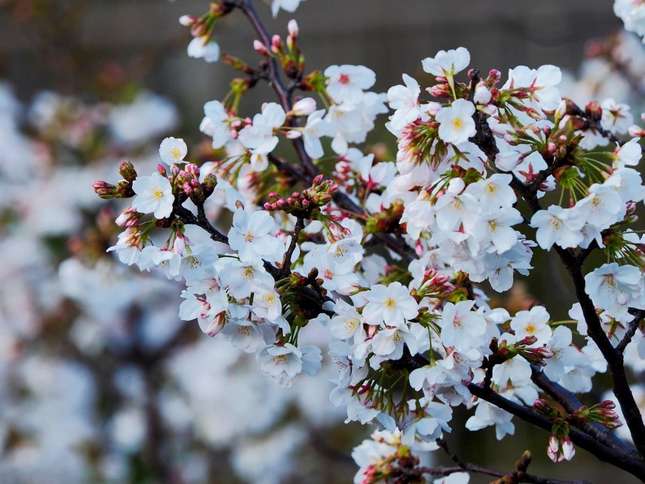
column 389, row 36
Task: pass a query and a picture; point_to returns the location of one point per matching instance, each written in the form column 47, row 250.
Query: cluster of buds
column 305, row 203
column 186, row 182
column 603, row 413
column 123, row 188
column 287, row 53
column 420, row 142
column 536, row 355
column 503, row 351
column 486, row 90
column 202, row 27
column 560, row 447
column 435, row 284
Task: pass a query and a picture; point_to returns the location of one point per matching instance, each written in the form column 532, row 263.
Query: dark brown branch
column 516, row 476
column 283, row 93
column 188, row 217
column 571, row 404
column 631, row 330
column 618, row 458
column 286, row 262
column 285, row 167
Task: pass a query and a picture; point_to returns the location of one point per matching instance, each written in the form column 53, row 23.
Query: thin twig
column 631, row 330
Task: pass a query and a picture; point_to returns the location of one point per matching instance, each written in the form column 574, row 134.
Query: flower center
column 247, row 273
column 249, row 237
column 280, row 359
column 610, row 280
column 343, row 79
column 556, row 223
column 457, row 123
column 530, row 328
column 157, row 194
column 351, row 324
column 175, row 153
column 390, row 303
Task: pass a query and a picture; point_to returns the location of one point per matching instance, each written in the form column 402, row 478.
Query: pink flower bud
column 439, row 90
column 260, row 48
column 276, row 44
column 494, row 75
column 104, row 189
column 553, row 449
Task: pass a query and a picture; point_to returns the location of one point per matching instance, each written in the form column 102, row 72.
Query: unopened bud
column 593, row 110
column 292, row 26
column 482, row 94
column 276, row 44
column 304, row 107
column 187, row 20
column 260, row 48
column 104, row 190
column 439, row 90
column 494, row 75
column 127, row 171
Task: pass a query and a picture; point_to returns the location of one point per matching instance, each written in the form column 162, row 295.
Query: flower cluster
column 398, row 259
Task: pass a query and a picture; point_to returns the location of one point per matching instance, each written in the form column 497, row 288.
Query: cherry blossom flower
column 153, row 195
column 253, row 235
column 202, row 48
column 346, row 83
column 173, row 150
column 532, row 323
column 557, row 225
column 447, row 63
column 390, row 305
column 456, row 122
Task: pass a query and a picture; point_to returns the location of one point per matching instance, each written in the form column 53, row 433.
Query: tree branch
column 618, row 458
column 283, row 93
column 571, row 404
column 286, row 262
column 631, row 330
column 516, row 476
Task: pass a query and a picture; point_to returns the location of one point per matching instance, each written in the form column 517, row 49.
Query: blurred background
column 99, row 380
